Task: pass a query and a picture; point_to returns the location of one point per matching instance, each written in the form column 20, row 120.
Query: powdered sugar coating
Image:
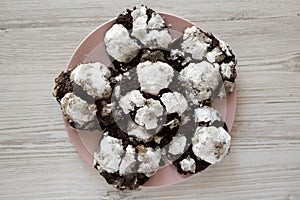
column 227, row 69
column 149, row 159
column 207, row 114
column 225, row 48
column 128, row 161
column 188, row 165
column 157, row 39
column 142, row 29
column 202, row 77
column 78, row 110
column 211, row 144
column 139, row 25
column 154, row 76
column 119, row 45
column 177, row 145
column 156, row 21
column 195, row 42
column 148, row 115
column 215, row 55
column 131, row 100
column 93, row 78
column 139, row 11
column 174, row 102
column 109, row 155
column 175, row 53
column 137, row 131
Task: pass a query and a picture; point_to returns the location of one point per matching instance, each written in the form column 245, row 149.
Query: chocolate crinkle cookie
column 153, row 105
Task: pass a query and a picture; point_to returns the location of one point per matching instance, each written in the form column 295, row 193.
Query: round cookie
column 79, row 91
column 197, row 46
column 209, row 146
column 79, row 113
column 203, row 116
column 134, row 31
column 125, row 166
column 146, row 26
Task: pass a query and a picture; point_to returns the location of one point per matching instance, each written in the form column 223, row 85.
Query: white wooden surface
column 37, row 160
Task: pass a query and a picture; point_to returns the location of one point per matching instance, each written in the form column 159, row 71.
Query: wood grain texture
column 37, row 160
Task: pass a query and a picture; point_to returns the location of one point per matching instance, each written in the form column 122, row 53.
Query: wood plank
column 37, row 161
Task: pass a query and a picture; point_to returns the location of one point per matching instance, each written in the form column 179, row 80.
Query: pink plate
column 92, row 49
